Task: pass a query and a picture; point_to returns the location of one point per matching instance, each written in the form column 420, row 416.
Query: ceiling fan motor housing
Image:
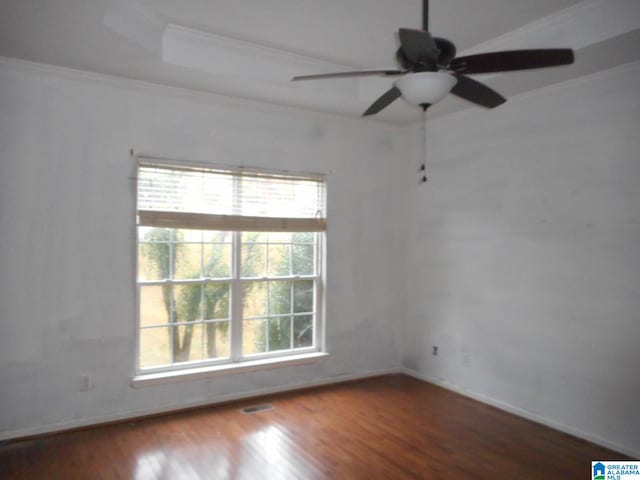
column 447, row 51
column 423, row 65
column 422, row 56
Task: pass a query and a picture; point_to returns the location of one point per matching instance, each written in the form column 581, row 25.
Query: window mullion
column 172, row 307
column 191, row 281
column 318, row 293
column 202, row 303
column 291, row 317
column 235, row 324
column 292, row 310
column 268, row 320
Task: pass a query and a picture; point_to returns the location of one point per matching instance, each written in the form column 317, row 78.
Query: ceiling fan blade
column 355, row 73
column 384, row 101
column 418, row 45
column 512, row 60
column 476, row 92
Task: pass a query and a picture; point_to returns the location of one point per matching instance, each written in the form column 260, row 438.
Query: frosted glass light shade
column 425, row 87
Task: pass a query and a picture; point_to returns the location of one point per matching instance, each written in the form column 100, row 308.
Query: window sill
column 148, row 379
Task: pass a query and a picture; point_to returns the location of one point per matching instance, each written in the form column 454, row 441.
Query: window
column 229, row 265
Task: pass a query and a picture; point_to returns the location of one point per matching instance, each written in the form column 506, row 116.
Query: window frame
column 237, row 359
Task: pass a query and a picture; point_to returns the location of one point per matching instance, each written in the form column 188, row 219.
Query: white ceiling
column 356, row 32
column 130, row 38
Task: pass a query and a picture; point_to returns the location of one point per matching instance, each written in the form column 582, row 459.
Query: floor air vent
column 257, row 408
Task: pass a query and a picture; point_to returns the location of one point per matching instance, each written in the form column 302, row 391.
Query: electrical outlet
column 435, row 350
column 86, row 383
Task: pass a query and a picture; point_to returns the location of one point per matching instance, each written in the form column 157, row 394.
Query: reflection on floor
column 390, row 427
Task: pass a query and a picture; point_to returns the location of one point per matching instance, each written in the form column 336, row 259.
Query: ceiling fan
column 429, row 69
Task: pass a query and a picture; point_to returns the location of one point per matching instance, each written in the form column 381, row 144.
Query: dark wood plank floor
column 391, row 427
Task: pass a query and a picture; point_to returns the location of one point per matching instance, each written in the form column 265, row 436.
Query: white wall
column 67, row 237
column 522, row 256
column 525, row 256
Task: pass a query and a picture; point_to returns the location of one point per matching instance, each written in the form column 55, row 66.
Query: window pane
column 187, row 302
column 187, row 343
column 188, row 260
column 279, row 297
column 254, row 237
column 303, row 296
column 154, row 234
column 215, row 236
column 254, row 299
column 254, row 260
column 216, row 301
column 154, row 347
column 216, row 261
column 280, row 237
column 154, row 253
column 148, row 268
column 302, row 259
column 279, row 333
column 302, row 331
column 254, row 336
column 279, row 260
column 303, row 237
column 142, row 232
column 154, row 304
column 216, row 340
column 187, row 235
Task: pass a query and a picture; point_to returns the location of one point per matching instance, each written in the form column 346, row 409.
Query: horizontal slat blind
column 200, row 198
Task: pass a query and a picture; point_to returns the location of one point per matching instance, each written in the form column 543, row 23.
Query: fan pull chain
column 422, row 169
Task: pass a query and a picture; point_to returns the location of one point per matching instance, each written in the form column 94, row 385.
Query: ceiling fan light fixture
column 425, row 87
column 430, row 69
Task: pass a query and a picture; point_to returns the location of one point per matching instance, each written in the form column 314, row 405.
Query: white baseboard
column 133, row 414
column 522, row 413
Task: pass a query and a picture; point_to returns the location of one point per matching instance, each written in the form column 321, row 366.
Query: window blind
column 212, row 199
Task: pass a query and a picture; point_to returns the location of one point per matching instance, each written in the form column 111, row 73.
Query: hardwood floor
column 391, row 427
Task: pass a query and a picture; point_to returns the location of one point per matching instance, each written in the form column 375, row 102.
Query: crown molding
column 136, row 23
column 175, row 32
column 229, row 57
column 258, row 69
column 578, row 26
column 200, row 96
